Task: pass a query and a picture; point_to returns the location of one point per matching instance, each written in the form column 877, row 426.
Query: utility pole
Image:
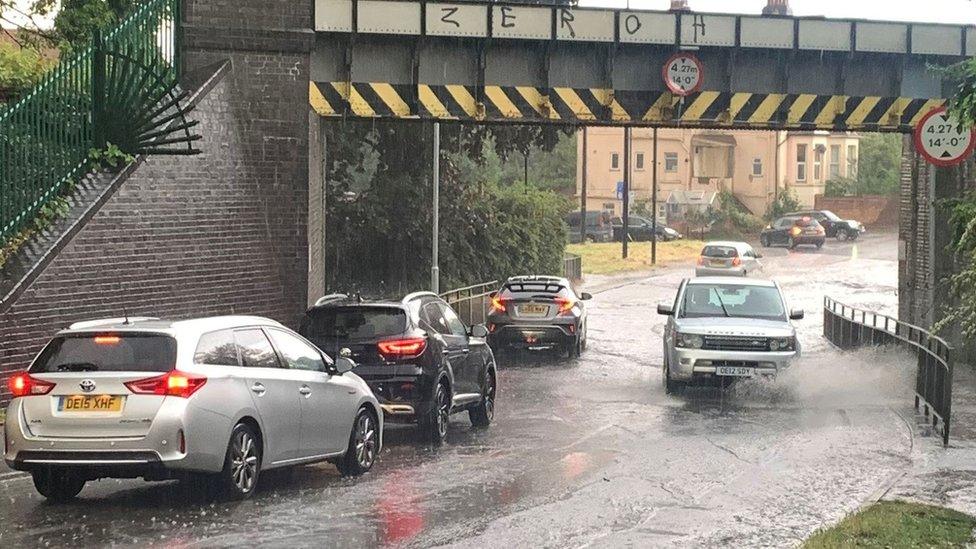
column 435, row 270
column 583, row 194
column 625, row 236
column 654, row 201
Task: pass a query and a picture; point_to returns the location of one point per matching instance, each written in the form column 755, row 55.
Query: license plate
column 811, row 231
column 91, row 403
column 734, row 371
column 533, row 310
column 718, row 263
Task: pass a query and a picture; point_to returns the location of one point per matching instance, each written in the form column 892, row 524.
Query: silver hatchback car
column 723, row 328
column 213, row 399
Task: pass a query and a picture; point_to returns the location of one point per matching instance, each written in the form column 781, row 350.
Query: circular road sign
column 938, row 138
column 683, row 74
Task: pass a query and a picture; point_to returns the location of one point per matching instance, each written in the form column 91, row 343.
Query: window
column 818, row 157
column 852, row 161
column 297, row 354
column 107, row 353
column 614, row 161
column 757, row 167
column 453, row 322
column 256, row 350
column 731, row 300
column 609, row 206
column 217, row 348
column 834, row 161
column 327, row 325
column 639, row 162
column 432, row 315
column 801, row 162
column 670, row 162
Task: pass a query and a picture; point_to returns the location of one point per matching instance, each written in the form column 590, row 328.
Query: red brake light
column 565, row 304
column 701, row 260
column 498, row 305
column 107, row 340
column 172, row 383
column 22, row 384
column 402, row 348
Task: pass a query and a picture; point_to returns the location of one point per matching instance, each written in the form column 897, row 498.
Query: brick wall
column 221, row 232
column 915, row 277
column 873, row 211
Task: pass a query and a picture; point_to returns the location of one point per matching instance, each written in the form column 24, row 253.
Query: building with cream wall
column 754, row 165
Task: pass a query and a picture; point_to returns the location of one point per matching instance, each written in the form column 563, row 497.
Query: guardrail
column 471, row 302
column 850, row 328
column 573, row 267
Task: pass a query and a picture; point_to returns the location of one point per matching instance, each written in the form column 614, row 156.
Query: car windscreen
column 732, row 300
column 723, row 252
column 353, row 323
column 109, row 352
column 807, row 222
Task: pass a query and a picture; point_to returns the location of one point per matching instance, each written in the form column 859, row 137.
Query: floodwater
column 587, row 452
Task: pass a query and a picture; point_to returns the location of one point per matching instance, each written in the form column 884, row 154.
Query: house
column 756, row 166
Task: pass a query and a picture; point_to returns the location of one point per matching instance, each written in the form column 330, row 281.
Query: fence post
column 98, row 90
column 947, row 398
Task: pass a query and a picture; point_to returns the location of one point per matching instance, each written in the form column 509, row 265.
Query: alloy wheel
column 443, row 411
column 365, row 440
column 490, row 397
column 244, row 465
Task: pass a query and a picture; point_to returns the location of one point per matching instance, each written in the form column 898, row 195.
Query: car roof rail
column 109, row 322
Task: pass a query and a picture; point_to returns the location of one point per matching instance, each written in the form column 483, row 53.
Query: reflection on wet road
column 586, row 452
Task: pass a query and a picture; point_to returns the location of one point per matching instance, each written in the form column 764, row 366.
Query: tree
column 879, row 165
column 785, row 203
column 20, row 68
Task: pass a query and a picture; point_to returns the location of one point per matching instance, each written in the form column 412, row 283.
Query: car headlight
column 782, row 343
column 688, row 341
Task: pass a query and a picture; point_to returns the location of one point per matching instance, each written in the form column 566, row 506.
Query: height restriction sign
column 938, row 139
column 683, row 74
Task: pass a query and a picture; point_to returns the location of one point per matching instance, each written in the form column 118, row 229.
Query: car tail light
column 498, row 305
column 701, row 260
column 172, row 383
column 565, row 304
column 795, row 231
column 394, row 349
column 22, row 384
column 736, row 261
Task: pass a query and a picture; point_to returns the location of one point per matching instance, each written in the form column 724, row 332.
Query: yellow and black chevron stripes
column 597, row 105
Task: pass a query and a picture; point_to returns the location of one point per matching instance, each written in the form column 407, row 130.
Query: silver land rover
column 720, row 329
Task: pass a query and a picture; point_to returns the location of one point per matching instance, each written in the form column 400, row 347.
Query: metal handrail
column 471, row 302
column 933, row 379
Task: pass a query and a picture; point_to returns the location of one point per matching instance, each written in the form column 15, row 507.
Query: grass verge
column 898, row 524
column 605, row 257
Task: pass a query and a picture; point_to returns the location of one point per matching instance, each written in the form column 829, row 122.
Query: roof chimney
column 777, row 7
column 680, row 5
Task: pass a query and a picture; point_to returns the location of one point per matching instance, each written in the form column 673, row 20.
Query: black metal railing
column 573, row 267
column 850, row 328
column 471, row 303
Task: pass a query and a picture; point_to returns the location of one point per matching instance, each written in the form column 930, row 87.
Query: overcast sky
column 934, row 11
column 929, row 11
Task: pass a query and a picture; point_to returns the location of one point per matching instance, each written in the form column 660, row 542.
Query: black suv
column 835, row 227
column 418, row 357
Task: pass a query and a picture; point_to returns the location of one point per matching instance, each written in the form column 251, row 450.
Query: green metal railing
column 108, row 91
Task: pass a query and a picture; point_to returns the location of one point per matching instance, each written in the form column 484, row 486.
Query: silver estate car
column 721, row 329
column 215, row 400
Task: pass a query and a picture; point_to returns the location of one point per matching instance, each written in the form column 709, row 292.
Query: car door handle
column 305, row 391
column 258, row 389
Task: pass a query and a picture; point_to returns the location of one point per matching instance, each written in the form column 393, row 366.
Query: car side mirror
column 796, row 314
column 478, row 330
column 585, row 296
column 665, row 309
column 344, row 364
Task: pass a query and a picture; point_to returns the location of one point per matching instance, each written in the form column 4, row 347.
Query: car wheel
column 842, row 235
column 854, row 235
column 820, row 245
column 363, row 442
column 57, row 484
column 670, row 386
column 242, row 463
column 791, row 244
column 764, row 241
column 483, row 414
column 433, row 427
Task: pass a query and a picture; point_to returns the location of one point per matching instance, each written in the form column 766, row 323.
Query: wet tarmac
column 587, row 452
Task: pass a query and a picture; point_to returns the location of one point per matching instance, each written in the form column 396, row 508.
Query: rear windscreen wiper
column 76, row 367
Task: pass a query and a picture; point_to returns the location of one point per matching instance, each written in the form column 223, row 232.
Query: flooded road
column 587, row 452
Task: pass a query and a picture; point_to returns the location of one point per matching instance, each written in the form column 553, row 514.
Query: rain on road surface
column 587, row 452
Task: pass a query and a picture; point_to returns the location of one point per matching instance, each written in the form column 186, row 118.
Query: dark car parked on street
column 642, row 230
column 598, row 227
column 834, row 226
column 421, row 361
column 793, row 231
column 538, row 313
